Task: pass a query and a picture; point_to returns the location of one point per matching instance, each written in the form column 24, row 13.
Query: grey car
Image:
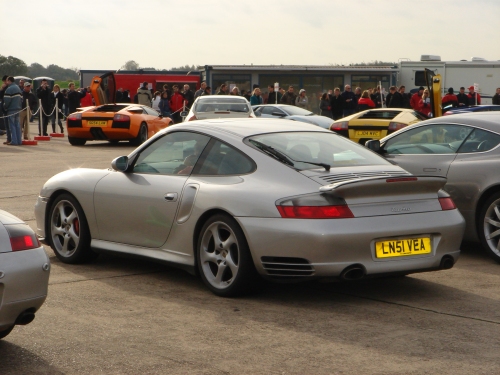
column 24, row 273
column 465, row 149
column 291, row 112
column 237, row 198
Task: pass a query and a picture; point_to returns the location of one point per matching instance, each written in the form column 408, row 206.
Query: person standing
column 246, row 94
column 201, row 90
column 87, row 99
column 271, row 96
column 65, row 102
column 289, row 97
column 222, row 89
column 24, row 116
column 496, row 98
column 235, row 91
column 12, row 106
column 450, row 99
column 302, row 101
column 324, row 106
column 43, row 93
column 337, row 104
column 349, row 101
column 74, row 98
column 4, row 125
column 164, row 105
column 415, row 99
column 126, row 97
column 57, row 98
column 472, row 97
column 144, row 96
column 119, row 95
column 463, row 99
column 365, row 102
column 405, row 99
column 256, row 99
column 156, row 101
column 424, row 105
column 189, row 96
column 176, row 104
column 396, row 100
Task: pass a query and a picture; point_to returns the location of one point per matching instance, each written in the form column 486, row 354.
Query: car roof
column 245, row 127
column 486, row 120
column 215, row 97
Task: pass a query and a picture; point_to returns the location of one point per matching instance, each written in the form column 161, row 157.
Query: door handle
column 171, row 197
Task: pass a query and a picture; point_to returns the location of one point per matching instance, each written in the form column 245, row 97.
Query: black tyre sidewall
column 76, row 141
column 6, row 332
column 137, row 141
column 247, row 275
column 83, row 252
column 480, row 226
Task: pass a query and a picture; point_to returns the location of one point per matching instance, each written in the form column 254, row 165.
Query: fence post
column 56, row 108
column 40, row 132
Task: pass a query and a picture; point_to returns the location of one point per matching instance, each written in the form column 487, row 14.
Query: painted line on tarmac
column 105, row 277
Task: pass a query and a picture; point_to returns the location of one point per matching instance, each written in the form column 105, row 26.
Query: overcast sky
column 104, row 34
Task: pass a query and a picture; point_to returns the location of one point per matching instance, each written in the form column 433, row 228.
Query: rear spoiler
column 386, row 186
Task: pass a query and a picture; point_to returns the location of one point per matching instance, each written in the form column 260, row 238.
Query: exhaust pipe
column 25, row 318
column 447, row 262
column 353, row 272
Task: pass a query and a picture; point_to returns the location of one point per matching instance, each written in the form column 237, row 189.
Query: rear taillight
column 447, row 203
column 338, row 126
column 192, row 118
column 315, row 212
column 75, row 116
column 393, row 126
column 22, row 237
column 121, row 118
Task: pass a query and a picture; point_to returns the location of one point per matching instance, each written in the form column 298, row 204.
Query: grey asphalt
column 132, row 316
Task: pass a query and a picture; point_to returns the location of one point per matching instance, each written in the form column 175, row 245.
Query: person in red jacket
column 86, row 101
column 472, row 96
column 365, row 102
column 415, row 99
column 449, row 99
column 176, row 104
column 424, row 105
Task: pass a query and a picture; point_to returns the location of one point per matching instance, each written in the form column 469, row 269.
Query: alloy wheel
column 65, row 228
column 492, row 227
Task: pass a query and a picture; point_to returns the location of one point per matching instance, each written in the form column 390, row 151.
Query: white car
column 219, row 106
column 24, row 273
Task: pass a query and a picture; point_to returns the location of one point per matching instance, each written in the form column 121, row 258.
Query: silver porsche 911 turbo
column 238, row 198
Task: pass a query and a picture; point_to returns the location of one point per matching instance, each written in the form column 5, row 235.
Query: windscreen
column 215, row 104
column 110, row 108
column 316, row 147
column 383, row 115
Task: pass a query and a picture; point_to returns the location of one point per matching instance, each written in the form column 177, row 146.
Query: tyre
column 5, row 332
column 489, row 226
column 68, row 231
column 77, row 141
column 142, row 136
column 224, row 260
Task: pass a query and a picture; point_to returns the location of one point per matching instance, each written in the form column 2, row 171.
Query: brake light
column 192, row 118
column 75, row 116
column 315, row 212
column 338, row 126
column 447, row 203
column 22, row 237
column 121, row 118
column 393, row 126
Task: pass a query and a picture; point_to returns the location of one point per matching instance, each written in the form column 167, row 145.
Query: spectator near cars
column 289, row 97
column 119, row 95
column 302, row 101
column 496, row 97
column 256, row 99
column 365, row 102
column 394, row 98
column 472, row 97
column 271, row 97
column 350, row 102
column 223, row 90
column 463, row 99
column 164, row 105
column 156, row 100
column 188, row 95
column 235, row 91
column 87, row 99
column 424, row 105
column 449, row 99
column 57, row 98
column 144, row 96
column 43, row 93
column 201, row 90
column 377, row 97
column 337, row 104
column 415, row 99
column 324, row 106
column 176, row 104
column 246, row 94
column 74, row 97
column 12, row 105
column 405, row 98
column 23, row 116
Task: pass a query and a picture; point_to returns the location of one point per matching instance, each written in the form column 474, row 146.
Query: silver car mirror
column 373, row 144
column 120, row 164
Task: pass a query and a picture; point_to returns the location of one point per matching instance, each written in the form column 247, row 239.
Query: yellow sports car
column 113, row 121
column 375, row 123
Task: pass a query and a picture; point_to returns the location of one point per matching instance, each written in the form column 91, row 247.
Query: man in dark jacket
column 496, row 97
column 271, row 97
column 289, row 97
column 23, row 116
column 74, row 97
column 188, row 96
column 463, row 99
column 349, row 101
column 395, row 100
column 43, row 93
column 4, row 126
column 337, row 104
column 405, row 98
column 199, row 92
column 12, row 106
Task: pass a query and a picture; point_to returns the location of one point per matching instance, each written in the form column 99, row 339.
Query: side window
column 430, row 139
column 269, row 110
column 479, row 141
column 221, row 159
column 151, row 111
column 174, row 154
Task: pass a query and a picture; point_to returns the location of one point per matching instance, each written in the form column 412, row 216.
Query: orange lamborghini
column 111, row 121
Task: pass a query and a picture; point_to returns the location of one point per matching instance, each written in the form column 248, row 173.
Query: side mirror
column 279, row 114
column 184, row 113
column 120, row 164
column 374, row 145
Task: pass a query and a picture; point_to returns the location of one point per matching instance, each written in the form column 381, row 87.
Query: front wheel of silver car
column 224, row 260
column 489, row 226
column 68, row 231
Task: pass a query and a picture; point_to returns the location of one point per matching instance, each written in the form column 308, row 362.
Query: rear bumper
column 330, row 246
column 106, row 133
column 24, row 283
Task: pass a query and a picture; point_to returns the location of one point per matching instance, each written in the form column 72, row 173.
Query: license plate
column 97, row 123
column 403, row 247
column 368, row 133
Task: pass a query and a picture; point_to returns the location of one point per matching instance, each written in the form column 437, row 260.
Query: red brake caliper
column 76, row 224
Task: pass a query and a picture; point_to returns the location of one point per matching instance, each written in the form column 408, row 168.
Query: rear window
column 383, row 115
column 222, row 105
column 315, row 147
column 110, row 108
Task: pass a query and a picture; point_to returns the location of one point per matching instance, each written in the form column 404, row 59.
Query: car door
column 103, row 89
column 426, row 150
column 155, row 122
column 139, row 207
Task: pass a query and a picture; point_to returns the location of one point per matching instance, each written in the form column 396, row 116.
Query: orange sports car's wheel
column 142, row 136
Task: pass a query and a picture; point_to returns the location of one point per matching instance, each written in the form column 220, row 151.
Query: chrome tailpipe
column 353, row 272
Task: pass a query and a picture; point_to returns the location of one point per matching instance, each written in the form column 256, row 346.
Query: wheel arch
column 482, row 199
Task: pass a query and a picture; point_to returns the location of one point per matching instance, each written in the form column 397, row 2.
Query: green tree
column 130, row 65
column 36, row 70
column 12, row 66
